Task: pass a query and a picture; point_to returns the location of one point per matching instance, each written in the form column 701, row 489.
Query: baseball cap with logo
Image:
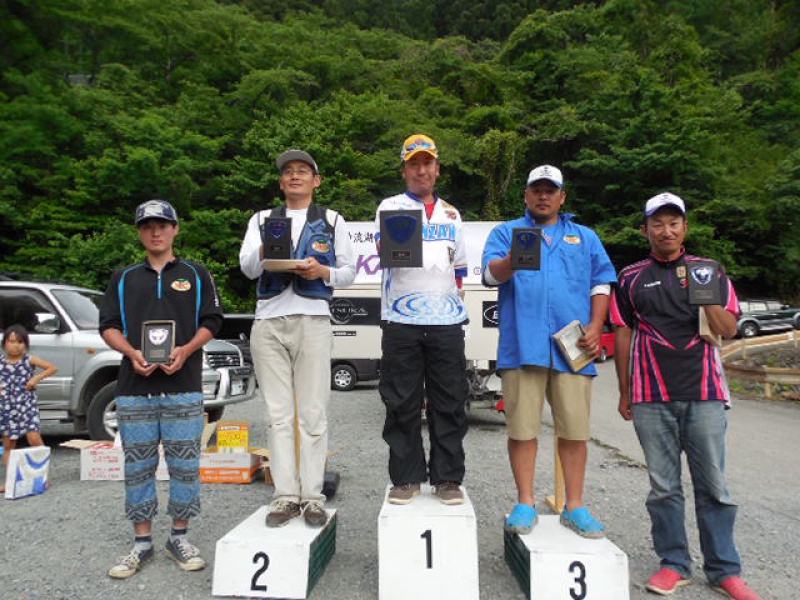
column 548, row 172
column 300, row 155
column 658, row 202
column 155, row 209
column 417, row 143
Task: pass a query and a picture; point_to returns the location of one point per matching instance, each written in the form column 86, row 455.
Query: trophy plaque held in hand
column 158, row 341
column 526, row 248
column 276, row 237
column 703, row 284
column 401, row 238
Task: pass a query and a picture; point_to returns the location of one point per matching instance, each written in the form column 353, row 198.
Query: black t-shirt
column 183, row 292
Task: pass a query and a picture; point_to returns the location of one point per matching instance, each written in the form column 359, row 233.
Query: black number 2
column 580, row 579
column 428, row 536
column 254, row 585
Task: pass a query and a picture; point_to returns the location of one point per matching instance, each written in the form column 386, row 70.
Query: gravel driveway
column 60, row 545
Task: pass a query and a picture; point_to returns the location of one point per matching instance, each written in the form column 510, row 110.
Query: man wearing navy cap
column 673, row 387
column 160, row 403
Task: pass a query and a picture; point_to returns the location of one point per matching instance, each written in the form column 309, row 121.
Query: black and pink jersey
column 669, row 360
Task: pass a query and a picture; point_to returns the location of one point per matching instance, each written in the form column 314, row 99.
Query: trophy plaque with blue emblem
column 703, row 284
column 276, row 237
column 401, row 238
column 158, row 341
column 526, row 248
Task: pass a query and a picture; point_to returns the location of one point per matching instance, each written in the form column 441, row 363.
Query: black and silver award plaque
column 703, row 284
column 276, row 235
column 158, row 341
column 526, row 248
column 401, row 238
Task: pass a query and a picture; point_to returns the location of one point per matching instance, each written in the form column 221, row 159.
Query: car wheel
column 749, row 329
column 102, row 416
column 343, row 378
column 215, row 414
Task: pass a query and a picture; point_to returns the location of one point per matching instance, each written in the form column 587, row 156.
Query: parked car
column 62, row 321
column 761, row 316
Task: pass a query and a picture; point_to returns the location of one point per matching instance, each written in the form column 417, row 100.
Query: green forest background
column 106, row 103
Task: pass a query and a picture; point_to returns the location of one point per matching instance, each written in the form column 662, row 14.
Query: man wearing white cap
column 573, row 283
column 291, row 337
column 673, row 387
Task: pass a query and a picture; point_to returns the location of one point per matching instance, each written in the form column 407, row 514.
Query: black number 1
column 580, row 579
column 254, row 585
column 428, row 536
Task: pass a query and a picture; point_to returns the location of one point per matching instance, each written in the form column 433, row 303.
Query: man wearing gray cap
column 673, row 387
column 291, row 337
column 170, row 306
column 573, row 283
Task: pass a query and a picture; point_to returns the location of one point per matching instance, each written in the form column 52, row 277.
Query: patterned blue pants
column 176, row 420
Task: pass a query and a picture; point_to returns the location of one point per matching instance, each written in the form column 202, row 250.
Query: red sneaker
column 737, row 589
column 665, row 582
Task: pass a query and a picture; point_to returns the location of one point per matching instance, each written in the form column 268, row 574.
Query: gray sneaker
column 281, row 512
column 449, row 492
column 314, row 513
column 402, row 494
column 187, row 556
column 130, row 564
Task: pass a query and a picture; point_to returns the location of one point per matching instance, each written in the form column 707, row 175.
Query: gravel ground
column 60, row 545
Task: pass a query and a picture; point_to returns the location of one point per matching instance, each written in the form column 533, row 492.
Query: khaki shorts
column 569, row 395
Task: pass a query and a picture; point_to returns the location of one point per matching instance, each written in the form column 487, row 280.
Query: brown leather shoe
column 402, row 494
column 449, row 492
column 314, row 513
column 281, row 512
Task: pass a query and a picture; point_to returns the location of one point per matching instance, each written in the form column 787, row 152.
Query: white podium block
column 555, row 562
column 255, row 561
column 427, row 549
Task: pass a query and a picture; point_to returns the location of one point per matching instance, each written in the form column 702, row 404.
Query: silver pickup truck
column 62, row 323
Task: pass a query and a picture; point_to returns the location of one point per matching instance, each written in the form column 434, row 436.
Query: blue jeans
column 666, row 429
column 176, row 420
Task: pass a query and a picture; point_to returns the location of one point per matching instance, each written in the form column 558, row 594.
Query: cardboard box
column 230, row 467
column 105, row 461
column 26, row 474
column 233, row 436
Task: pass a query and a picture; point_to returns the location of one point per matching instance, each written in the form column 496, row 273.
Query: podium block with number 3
column 554, row 562
column 427, row 550
column 286, row 562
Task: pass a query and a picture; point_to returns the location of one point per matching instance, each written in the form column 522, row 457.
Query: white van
column 355, row 313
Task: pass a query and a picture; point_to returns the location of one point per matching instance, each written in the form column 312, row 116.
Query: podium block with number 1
column 427, row 549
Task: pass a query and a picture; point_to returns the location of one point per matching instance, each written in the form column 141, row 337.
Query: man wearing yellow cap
column 423, row 339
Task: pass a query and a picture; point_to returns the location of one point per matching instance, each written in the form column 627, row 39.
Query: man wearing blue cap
column 170, row 302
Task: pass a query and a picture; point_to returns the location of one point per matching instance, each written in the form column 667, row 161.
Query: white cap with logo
column 548, row 172
column 658, row 202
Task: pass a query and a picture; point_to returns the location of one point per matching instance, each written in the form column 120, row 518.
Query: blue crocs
column 583, row 523
column 521, row 520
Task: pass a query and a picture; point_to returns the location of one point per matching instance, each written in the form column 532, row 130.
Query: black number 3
column 580, row 579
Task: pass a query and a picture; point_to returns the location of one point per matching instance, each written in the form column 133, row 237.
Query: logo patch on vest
column 321, row 246
column 575, row 240
column 181, row 285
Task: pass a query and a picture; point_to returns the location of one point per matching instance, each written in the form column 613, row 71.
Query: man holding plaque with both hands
column 298, row 252
column 158, row 314
column 423, row 261
column 669, row 310
column 554, row 279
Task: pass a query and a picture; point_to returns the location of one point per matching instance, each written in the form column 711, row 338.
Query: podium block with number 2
column 286, row 562
column 428, row 550
column 554, row 562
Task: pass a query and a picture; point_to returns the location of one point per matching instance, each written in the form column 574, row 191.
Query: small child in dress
column 19, row 411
